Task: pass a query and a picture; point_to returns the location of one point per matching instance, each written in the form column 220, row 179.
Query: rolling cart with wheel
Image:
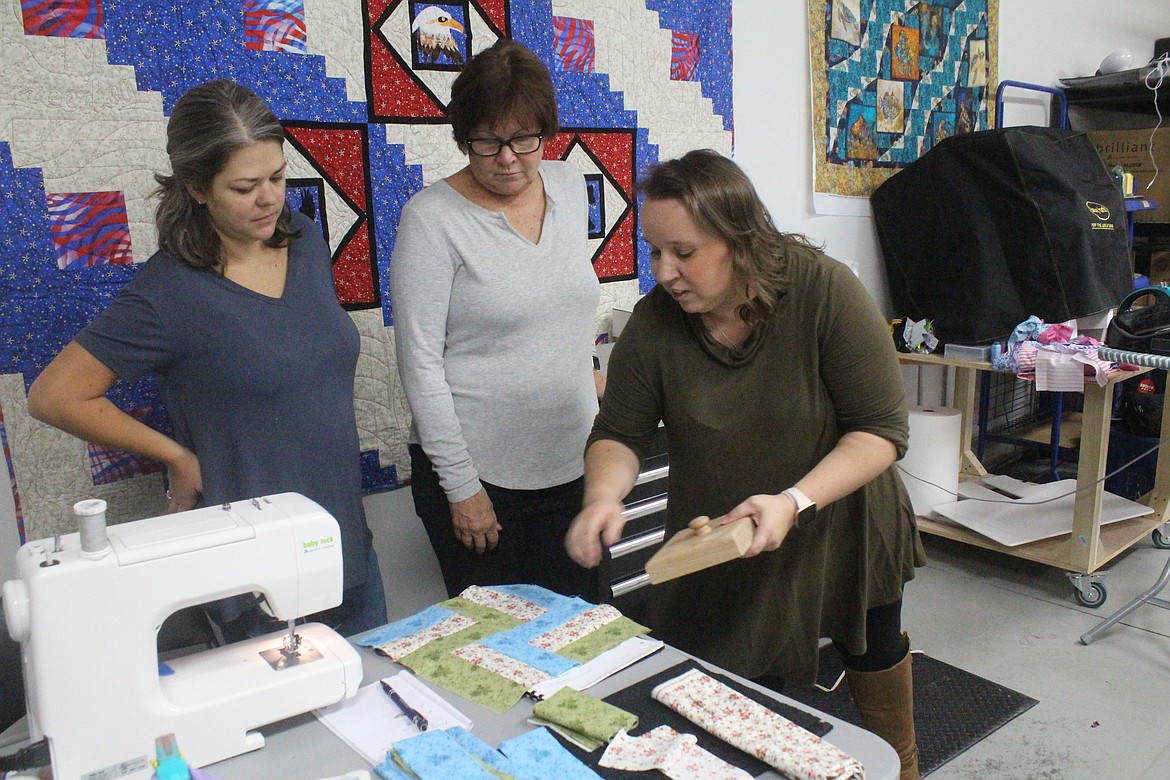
column 1090, row 546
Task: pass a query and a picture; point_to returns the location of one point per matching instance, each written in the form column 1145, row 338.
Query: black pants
column 531, row 549
column 884, row 646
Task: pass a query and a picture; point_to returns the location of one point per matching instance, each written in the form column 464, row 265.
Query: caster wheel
column 1096, row 599
column 1160, row 539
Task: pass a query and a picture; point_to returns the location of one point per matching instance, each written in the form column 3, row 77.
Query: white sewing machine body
column 88, row 630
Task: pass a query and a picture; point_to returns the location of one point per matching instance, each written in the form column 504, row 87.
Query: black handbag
column 989, row 228
column 1145, row 329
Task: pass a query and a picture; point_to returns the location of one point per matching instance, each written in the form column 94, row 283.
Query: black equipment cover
column 989, row 228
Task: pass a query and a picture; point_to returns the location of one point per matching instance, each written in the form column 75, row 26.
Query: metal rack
column 1009, row 406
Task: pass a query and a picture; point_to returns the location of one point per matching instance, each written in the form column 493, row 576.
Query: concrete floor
column 1016, row 623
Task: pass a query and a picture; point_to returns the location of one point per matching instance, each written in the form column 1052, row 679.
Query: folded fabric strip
column 433, row 755
column 675, row 755
column 582, row 719
column 457, row 754
column 756, row 730
column 536, row 755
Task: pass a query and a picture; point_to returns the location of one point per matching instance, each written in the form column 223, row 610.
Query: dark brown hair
column 720, row 198
column 210, row 122
column 505, row 82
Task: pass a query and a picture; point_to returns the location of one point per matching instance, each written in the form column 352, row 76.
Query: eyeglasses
column 490, row 147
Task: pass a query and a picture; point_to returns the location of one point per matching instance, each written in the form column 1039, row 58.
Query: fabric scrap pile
column 1049, row 354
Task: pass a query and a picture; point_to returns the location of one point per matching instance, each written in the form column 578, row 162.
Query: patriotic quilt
column 86, row 87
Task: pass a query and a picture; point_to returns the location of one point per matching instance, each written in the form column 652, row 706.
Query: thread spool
column 91, row 524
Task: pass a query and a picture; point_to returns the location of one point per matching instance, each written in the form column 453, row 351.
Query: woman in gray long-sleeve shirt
column 494, row 298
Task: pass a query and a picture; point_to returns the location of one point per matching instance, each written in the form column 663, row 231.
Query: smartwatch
column 806, row 508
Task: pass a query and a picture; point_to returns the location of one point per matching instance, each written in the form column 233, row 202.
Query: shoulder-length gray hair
column 721, row 200
column 210, row 122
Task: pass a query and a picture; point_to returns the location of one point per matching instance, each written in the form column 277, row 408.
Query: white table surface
column 301, row 748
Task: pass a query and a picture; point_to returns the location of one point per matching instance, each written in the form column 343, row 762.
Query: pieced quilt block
column 491, row 645
column 63, row 18
column 89, row 228
column 362, row 90
column 274, row 25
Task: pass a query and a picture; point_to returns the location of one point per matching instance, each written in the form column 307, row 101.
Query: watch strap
column 806, row 508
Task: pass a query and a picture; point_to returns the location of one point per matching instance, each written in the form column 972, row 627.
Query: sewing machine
column 87, row 611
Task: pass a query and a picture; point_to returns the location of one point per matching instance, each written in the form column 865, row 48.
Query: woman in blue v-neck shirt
column 238, row 318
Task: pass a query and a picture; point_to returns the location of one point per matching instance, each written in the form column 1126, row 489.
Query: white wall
column 1039, row 42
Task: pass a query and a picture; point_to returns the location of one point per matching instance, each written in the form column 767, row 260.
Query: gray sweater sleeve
column 421, row 275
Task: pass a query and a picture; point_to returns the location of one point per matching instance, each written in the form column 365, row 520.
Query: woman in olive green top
column 776, row 380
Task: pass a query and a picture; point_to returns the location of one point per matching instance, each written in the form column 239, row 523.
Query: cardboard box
column 1131, row 150
column 1160, row 268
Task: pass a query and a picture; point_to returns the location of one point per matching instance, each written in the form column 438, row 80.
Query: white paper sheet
column 1039, row 512
column 592, row 672
column 370, row 723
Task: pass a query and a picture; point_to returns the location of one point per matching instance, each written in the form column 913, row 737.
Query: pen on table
column 415, row 716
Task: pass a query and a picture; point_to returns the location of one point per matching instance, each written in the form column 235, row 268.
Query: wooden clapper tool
column 699, row 546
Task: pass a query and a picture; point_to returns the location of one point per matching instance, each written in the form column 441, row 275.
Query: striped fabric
column 684, row 59
column 573, row 44
column 107, row 465
column 63, row 18
column 89, row 228
column 274, row 25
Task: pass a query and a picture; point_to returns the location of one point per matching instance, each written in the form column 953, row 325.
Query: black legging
column 884, row 646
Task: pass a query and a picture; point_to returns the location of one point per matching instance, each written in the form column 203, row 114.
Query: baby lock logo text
column 312, row 545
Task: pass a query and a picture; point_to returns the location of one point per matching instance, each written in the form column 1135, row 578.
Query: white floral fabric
column 756, row 730
column 406, row 645
column 675, row 755
column 499, row 663
column 514, row 606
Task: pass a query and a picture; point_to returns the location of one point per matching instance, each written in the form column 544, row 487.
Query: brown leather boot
column 886, row 701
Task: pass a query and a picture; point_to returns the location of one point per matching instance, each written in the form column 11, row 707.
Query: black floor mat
column 953, row 709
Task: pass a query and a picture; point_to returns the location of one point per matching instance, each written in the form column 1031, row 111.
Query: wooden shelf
column 1090, row 545
column 1115, row 538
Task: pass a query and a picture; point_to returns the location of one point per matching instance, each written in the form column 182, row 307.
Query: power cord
column 1017, row 502
column 32, row 757
column 1161, row 69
